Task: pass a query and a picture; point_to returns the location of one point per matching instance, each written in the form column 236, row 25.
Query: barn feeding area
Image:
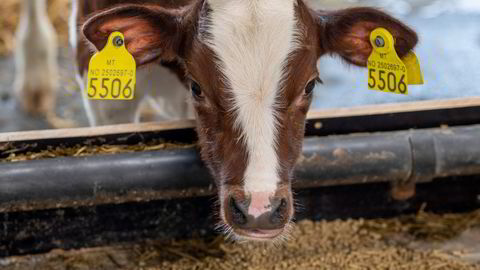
column 422, row 241
column 355, row 226
column 200, row 136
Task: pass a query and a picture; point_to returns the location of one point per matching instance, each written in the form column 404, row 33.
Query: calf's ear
column 151, row 32
column 347, row 33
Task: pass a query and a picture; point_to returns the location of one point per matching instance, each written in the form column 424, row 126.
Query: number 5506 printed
column 110, row 88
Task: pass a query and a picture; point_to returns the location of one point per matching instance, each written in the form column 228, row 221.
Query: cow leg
column 36, row 60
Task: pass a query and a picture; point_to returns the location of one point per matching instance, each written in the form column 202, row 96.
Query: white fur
column 36, row 57
column 253, row 40
column 72, row 25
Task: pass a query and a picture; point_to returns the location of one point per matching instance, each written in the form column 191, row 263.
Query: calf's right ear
column 151, row 32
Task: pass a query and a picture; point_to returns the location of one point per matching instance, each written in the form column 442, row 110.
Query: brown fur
column 87, row 9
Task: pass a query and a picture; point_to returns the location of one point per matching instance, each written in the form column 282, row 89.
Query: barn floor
column 424, row 241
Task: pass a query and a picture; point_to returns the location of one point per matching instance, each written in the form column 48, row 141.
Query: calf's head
column 251, row 69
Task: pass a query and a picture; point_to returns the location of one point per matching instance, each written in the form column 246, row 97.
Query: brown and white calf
column 251, row 67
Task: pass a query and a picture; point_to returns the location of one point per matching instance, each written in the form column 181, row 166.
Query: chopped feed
column 416, row 242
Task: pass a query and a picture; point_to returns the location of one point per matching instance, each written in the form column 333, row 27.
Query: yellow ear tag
column 415, row 75
column 112, row 72
column 386, row 72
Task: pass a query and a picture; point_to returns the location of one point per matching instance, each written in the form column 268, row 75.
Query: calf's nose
column 260, row 212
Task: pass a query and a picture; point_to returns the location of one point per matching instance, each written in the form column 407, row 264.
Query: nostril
column 279, row 214
column 238, row 217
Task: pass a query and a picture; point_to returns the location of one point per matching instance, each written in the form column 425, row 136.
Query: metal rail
column 89, row 226
column 398, row 157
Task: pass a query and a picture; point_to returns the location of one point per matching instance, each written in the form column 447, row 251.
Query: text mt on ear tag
column 386, row 72
column 112, row 72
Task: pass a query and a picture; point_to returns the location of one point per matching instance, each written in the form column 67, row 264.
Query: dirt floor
column 424, row 241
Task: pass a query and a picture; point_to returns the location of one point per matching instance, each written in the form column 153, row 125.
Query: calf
column 250, row 67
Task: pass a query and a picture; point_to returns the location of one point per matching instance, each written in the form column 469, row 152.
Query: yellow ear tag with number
column 386, row 72
column 112, row 72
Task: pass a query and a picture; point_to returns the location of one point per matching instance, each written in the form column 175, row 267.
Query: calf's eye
column 196, row 90
column 310, row 87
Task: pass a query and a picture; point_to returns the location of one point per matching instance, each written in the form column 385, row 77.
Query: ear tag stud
column 112, row 72
column 386, row 71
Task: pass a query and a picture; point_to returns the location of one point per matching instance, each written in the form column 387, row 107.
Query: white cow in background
column 36, row 80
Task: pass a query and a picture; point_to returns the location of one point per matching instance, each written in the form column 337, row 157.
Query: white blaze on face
column 253, row 40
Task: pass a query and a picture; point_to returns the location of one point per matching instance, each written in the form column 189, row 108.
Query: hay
column 58, row 11
column 20, row 154
column 352, row 244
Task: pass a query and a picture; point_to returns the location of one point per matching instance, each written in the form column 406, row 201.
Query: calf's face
column 251, row 69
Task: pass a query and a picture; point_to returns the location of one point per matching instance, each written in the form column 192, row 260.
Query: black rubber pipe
column 418, row 155
column 164, row 220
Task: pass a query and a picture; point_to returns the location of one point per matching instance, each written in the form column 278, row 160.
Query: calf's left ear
column 347, row 33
